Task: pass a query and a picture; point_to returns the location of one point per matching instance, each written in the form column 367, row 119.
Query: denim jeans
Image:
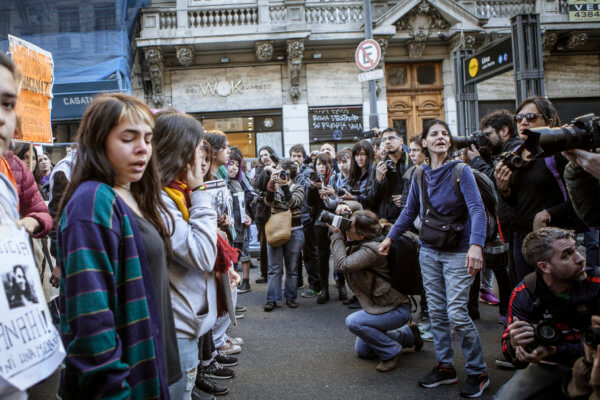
column 289, row 252
column 592, row 255
column 373, row 338
column 534, row 382
column 447, row 286
column 188, row 355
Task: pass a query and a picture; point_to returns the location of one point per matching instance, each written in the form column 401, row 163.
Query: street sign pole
column 373, row 120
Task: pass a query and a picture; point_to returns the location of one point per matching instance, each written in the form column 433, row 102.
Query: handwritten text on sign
column 35, row 97
column 326, row 123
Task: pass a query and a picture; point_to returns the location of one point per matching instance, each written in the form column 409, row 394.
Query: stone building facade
column 282, row 72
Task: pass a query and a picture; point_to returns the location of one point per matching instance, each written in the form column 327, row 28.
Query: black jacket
column 584, row 191
column 379, row 195
column 570, row 316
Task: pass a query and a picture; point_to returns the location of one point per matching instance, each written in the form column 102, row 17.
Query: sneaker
column 503, row 363
column 427, row 336
column 229, row 348
column 350, row 300
column 291, row 303
column 474, row 385
column 225, row 360
column 424, row 322
column 309, row 293
column 388, row 365
column 240, row 309
column 269, row 306
column 487, row 296
column 502, row 320
column 208, row 386
column 237, row 341
column 355, row 305
column 417, row 339
column 262, row 279
column 198, row 394
column 441, row 374
column 239, row 316
column 244, row 287
column 217, row 371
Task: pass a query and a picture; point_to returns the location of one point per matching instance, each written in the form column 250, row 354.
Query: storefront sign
column 335, row 123
column 34, row 105
column 226, row 89
column 584, row 10
column 71, row 99
column 489, row 61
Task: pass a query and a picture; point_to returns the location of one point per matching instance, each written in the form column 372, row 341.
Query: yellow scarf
column 178, row 192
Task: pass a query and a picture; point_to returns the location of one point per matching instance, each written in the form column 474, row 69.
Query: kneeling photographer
column 548, row 313
column 380, row 326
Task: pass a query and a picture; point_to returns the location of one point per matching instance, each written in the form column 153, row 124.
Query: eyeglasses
column 389, row 138
column 531, row 117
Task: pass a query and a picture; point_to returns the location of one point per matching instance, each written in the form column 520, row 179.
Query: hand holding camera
column 502, row 174
column 381, row 171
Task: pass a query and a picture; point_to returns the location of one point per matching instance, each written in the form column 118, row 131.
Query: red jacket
column 31, row 203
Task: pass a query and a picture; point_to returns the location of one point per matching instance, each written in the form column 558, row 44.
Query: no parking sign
column 368, row 54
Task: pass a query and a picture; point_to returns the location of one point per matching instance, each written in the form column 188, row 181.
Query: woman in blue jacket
column 448, row 266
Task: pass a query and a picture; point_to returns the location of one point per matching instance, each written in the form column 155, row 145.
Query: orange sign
column 35, row 98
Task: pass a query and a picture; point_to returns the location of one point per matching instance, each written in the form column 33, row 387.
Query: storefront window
column 426, row 74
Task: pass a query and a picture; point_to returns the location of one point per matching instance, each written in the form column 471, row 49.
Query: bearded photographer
column 386, row 183
column 547, row 313
column 381, row 326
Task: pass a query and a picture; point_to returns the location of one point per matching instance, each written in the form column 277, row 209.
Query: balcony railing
column 503, row 8
column 218, row 18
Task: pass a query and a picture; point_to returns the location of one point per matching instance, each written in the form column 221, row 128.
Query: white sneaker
column 238, row 341
column 229, row 348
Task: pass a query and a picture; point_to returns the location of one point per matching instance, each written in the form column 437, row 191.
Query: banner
column 30, row 345
column 35, row 97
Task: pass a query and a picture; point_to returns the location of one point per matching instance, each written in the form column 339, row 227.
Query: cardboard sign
column 30, row 346
column 35, row 97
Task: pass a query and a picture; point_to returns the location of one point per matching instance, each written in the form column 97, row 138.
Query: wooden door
column 414, row 96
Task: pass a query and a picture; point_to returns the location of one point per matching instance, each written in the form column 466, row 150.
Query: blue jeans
column 592, row 255
column 188, row 358
column 447, row 286
column 373, row 338
column 290, row 252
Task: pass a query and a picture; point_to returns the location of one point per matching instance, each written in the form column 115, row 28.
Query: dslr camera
column 582, row 133
column 347, row 188
column 391, row 167
column 546, row 333
column 337, row 221
column 511, row 159
column 591, row 337
column 478, row 138
column 284, row 175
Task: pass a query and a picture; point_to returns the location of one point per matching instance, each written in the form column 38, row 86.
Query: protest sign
column 30, row 345
column 35, row 98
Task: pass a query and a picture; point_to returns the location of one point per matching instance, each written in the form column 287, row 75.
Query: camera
column 391, row 167
column 284, row 175
column 511, row 159
column 478, row 138
column 545, row 333
column 314, row 177
column 335, row 220
column 591, row 336
column 369, row 134
column 582, row 133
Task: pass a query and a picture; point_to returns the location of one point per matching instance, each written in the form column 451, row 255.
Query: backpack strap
column 530, row 281
column 551, row 165
column 456, row 177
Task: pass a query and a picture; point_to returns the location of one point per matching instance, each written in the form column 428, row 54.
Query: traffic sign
column 370, row 75
column 368, row 54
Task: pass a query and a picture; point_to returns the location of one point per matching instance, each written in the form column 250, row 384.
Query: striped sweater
column 109, row 318
column 284, row 197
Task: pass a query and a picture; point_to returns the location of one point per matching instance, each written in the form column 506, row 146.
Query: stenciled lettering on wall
column 226, row 89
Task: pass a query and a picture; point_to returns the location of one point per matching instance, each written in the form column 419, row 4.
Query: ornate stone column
column 154, row 58
column 295, row 50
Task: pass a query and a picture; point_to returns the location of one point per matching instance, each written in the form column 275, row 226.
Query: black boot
column 208, row 386
column 342, row 293
column 323, row 296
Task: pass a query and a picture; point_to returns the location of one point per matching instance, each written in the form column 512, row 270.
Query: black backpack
column 489, row 196
column 403, row 263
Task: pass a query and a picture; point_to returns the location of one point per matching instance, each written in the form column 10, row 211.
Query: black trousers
column 264, row 258
column 323, row 250
column 311, row 261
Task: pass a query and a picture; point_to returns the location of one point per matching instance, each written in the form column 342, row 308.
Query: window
column 426, row 74
column 69, row 20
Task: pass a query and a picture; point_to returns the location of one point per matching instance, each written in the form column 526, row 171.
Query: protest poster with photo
column 35, row 98
column 30, row 346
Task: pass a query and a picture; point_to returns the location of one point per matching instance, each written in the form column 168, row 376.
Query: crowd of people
column 143, row 229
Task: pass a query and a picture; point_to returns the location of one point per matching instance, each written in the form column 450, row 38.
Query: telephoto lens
column 337, row 221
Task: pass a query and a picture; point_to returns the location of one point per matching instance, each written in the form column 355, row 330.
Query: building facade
column 283, row 72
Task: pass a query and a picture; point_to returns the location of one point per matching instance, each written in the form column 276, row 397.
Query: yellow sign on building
column 584, row 10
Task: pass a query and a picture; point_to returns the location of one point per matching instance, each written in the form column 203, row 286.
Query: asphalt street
column 307, row 353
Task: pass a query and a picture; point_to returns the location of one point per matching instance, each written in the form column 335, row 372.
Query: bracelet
column 201, row 187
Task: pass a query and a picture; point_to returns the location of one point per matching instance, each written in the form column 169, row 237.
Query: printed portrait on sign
column 18, row 287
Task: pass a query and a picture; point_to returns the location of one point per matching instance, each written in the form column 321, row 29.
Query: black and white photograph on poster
column 31, row 347
column 18, row 287
column 239, row 197
column 222, row 201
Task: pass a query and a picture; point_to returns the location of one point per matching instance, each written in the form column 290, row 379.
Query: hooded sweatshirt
column 443, row 197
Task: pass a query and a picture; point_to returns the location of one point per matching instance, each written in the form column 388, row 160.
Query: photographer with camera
column 283, row 195
column 384, row 192
column 320, row 189
column 534, row 186
column 381, row 326
column 547, row 314
column 585, row 383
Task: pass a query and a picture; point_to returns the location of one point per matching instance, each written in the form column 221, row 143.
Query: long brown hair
column 106, row 112
column 368, row 224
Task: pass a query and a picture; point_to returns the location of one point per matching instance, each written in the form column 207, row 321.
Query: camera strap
column 551, row 165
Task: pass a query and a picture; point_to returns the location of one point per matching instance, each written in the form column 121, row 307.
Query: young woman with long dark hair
column 116, row 315
column 360, row 170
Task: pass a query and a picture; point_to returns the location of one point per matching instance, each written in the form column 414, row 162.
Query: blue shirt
column 443, row 197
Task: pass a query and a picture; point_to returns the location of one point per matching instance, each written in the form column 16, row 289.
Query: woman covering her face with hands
column 447, row 271
column 181, row 158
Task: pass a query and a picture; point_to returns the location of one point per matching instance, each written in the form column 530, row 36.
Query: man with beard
column 547, row 314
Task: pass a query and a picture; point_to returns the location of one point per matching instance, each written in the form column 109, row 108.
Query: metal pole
column 373, row 119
